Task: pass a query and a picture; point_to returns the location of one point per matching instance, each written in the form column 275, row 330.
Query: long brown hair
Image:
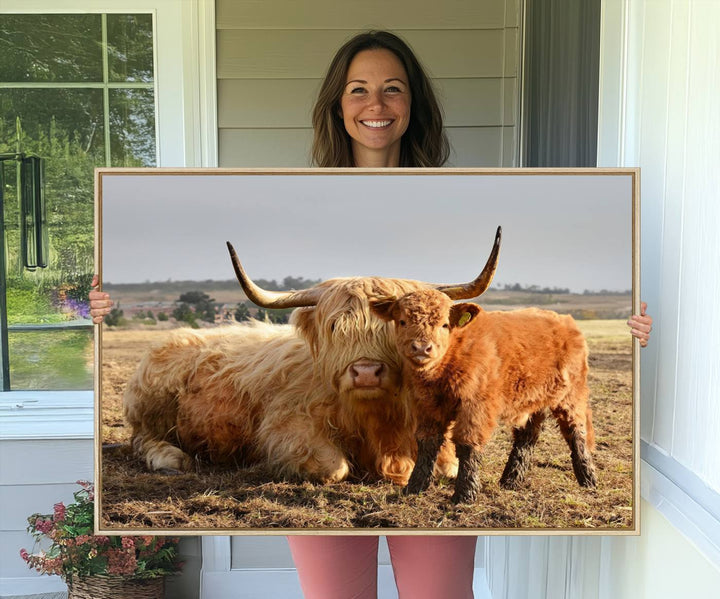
column 423, row 144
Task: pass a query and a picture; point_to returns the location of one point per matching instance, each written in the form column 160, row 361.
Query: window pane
column 53, row 121
column 130, row 48
column 50, row 48
column 132, row 127
column 66, row 128
column 51, row 360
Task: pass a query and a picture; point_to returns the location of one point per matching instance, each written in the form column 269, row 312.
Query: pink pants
column 425, row 567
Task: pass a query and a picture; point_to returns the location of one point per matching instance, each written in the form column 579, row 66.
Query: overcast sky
column 559, row 231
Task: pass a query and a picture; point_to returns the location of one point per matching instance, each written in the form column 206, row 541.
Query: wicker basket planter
column 116, row 587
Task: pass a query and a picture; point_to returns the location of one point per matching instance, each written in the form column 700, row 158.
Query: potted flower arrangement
column 95, row 567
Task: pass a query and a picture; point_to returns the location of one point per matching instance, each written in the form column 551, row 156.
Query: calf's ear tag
column 464, row 319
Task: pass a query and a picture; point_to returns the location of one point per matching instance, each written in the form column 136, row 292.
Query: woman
column 376, row 108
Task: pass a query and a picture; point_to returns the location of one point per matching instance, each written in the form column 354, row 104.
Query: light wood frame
column 421, row 180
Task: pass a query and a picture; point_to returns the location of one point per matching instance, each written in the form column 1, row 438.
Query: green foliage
column 162, row 316
column 51, row 360
column 280, row 316
column 194, row 297
column 290, row 283
column 115, row 318
column 202, row 304
column 75, row 552
column 30, row 306
column 144, row 315
column 184, row 313
column 242, row 313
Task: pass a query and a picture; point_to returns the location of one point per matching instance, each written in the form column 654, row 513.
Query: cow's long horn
column 271, row 299
column 479, row 285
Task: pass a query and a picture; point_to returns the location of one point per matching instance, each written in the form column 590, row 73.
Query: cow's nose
column 422, row 347
column 366, row 373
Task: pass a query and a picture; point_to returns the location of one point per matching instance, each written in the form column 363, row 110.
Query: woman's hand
column 640, row 326
column 100, row 303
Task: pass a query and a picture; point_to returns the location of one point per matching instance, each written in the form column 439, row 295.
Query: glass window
column 77, row 91
column 44, row 48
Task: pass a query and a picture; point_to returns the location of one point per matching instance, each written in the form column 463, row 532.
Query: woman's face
column 375, row 107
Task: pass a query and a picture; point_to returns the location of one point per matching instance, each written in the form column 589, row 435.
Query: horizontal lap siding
column 35, row 475
column 287, row 103
column 271, row 58
column 307, row 53
column 351, row 14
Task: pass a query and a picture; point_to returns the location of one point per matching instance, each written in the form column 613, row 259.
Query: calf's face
column 424, row 324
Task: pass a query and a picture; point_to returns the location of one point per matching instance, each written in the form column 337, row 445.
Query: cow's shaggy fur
column 476, row 368
column 281, row 394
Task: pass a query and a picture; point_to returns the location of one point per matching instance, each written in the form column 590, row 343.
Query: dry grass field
column 230, row 498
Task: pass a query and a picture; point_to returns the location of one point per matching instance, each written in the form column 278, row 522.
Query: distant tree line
column 534, row 288
column 606, row 292
column 287, row 284
column 556, row 290
column 243, row 312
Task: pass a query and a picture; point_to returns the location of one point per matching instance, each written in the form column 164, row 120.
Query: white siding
column 672, row 131
column 660, row 84
column 34, row 475
column 271, row 58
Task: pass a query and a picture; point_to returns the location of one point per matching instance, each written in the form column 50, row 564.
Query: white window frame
column 186, row 129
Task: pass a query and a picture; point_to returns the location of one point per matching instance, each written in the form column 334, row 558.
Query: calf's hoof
column 415, row 487
column 464, row 496
column 588, row 479
column 511, row 483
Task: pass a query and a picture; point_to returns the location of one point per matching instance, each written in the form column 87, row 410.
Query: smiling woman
column 377, row 107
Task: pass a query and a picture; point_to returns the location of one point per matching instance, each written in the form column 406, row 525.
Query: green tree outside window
column 77, row 90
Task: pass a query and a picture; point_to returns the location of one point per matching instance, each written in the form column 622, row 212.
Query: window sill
column 690, row 506
column 46, row 415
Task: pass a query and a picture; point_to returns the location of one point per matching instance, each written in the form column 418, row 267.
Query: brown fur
column 280, row 394
column 478, row 368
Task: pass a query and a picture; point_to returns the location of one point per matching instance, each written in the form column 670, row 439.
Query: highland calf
column 476, row 368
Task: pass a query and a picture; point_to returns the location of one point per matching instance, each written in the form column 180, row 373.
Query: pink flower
column 121, row 562
column 82, row 539
column 128, row 543
column 53, row 565
column 59, row 509
column 44, row 526
column 25, row 555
